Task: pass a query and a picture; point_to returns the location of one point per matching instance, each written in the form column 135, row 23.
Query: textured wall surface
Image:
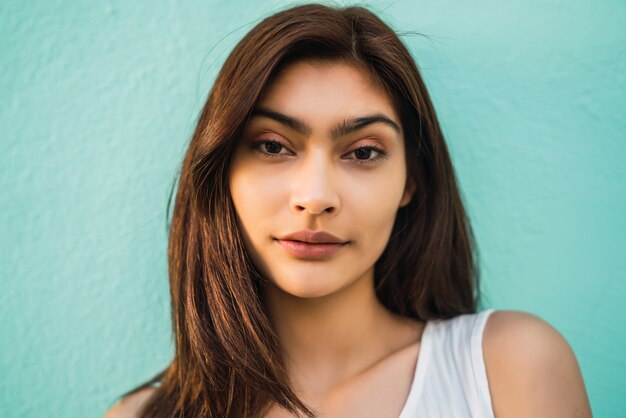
column 98, row 100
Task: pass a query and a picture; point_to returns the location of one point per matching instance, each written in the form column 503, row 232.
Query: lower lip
column 307, row 250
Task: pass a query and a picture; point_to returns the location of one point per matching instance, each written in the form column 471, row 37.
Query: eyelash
column 257, row 147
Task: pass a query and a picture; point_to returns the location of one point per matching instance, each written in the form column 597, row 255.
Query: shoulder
column 531, row 368
column 130, row 406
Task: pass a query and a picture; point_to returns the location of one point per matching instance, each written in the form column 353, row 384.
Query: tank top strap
column 450, row 378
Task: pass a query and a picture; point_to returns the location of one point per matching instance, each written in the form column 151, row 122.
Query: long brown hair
column 227, row 360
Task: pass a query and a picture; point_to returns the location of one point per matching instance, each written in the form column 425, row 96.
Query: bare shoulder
column 130, row 406
column 531, row 368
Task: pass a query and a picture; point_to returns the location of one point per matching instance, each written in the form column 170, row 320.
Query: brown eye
column 362, row 154
column 273, row 147
column 268, row 148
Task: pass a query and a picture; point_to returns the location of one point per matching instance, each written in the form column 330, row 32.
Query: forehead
column 317, row 90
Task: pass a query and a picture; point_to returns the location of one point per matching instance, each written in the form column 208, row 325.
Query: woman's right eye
column 268, row 148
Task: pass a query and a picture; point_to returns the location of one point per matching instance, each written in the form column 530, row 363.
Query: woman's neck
column 327, row 340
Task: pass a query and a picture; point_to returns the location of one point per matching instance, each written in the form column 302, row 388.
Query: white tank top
column 450, row 378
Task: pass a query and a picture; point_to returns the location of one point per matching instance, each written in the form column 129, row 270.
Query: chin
column 305, row 288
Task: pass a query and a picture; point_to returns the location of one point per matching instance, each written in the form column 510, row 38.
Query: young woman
column 321, row 260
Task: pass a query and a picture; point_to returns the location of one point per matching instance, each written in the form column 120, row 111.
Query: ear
column 409, row 191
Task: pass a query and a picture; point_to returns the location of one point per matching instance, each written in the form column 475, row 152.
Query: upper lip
column 317, row 237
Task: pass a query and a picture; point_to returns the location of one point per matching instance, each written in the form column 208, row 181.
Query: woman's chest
column 378, row 393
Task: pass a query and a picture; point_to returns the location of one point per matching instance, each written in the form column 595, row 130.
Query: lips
column 301, row 249
column 311, row 244
column 314, row 237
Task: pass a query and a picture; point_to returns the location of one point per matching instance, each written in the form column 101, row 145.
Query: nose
column 314, row 186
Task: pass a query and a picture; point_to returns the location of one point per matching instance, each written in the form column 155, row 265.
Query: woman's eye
column 363, row 155
column 268, row 148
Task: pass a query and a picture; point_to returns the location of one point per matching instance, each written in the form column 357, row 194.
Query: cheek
column 255, row 197
column 372, row 207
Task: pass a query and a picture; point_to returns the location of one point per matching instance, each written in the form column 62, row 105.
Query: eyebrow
column 343, row 128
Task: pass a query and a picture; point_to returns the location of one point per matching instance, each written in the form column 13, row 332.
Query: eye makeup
column 264, row 148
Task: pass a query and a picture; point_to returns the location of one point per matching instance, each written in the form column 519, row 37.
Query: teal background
column 98, row 100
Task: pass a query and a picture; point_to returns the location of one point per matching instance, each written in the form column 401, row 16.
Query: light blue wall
column 98, row 100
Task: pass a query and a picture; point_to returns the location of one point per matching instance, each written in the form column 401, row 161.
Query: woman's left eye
column 271, row 149
column 363, row 154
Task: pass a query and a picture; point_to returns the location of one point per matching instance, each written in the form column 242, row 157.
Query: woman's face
column 323, row 151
